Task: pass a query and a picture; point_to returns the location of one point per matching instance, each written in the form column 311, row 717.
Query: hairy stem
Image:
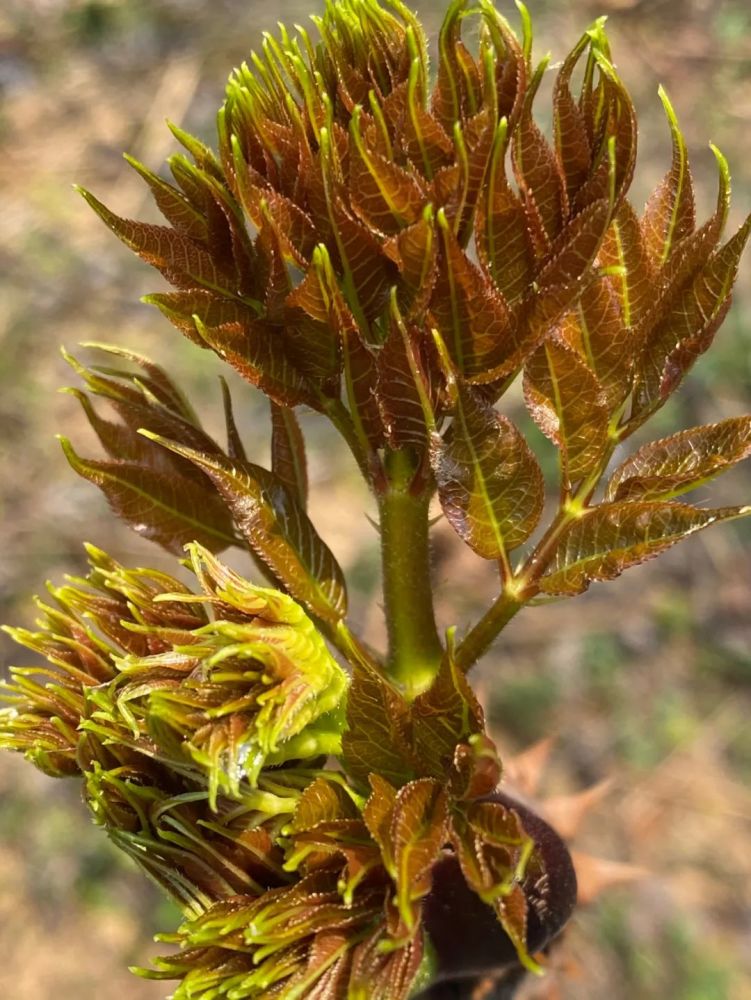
column 415, row 650
column 523, row 586
column 481, row 637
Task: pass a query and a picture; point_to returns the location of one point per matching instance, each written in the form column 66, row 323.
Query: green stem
column 524, row 585
column 481, row 637
column 415, row 650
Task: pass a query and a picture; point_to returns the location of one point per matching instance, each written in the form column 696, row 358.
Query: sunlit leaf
column 288, row 461
column 609, row 538
column 378, row 814
column 322, row 802
column 181, row 309
column 541, row 183
column 666, row 468
column 277, row 529
column 470, row 314
column 402, row 387
column 256, row 351
column 442, row 717
column 419, row 829
column 574, row 250
column 386, row 197
column 501, row 229
column 571, row 137
column 386, row 974
column 567, row 403
column 457, row 92
column 689, row 326
column 182, row 261
column 670, row 212
column 376, row 740
column 489, row 483
column 596, row 331
column 415, row 253
column 173, row 204
column 164, row 508
column 477, row 769
column 623, row 248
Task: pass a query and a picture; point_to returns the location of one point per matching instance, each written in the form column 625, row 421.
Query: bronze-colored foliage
column 393, row 253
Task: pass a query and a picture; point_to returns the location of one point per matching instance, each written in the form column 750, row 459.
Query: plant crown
column 391, row 253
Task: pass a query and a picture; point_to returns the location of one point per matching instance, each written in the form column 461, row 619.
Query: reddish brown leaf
column 501, row 233
column 288, row 452
column 399, row 387
column 415, row 252
column 674, row 465
column 609, row 538
column 165, row 508
column 595, row 330
column 384, row 196
column 181, row 308
column 566, row 402
column 182, row 261
column 571, row 136
column 457, row 93
column 367, row 273
column 574, row 251
column 376, row 740
column 256, row 351
column 442, row 717
column 277, row 529
column 623, row 247
column 173, row 204
column 689, row 325
column 538, row 174
column 385, row 973
column 419, row 830
column 378, row 814
column 489, row 483
column 322, row 802
column 670, row 212
column 476, row 769
column 470, row 314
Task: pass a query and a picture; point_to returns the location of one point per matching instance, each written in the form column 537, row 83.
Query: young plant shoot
column 392, row 247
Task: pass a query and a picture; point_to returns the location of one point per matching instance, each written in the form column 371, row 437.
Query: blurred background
column 646, row 681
